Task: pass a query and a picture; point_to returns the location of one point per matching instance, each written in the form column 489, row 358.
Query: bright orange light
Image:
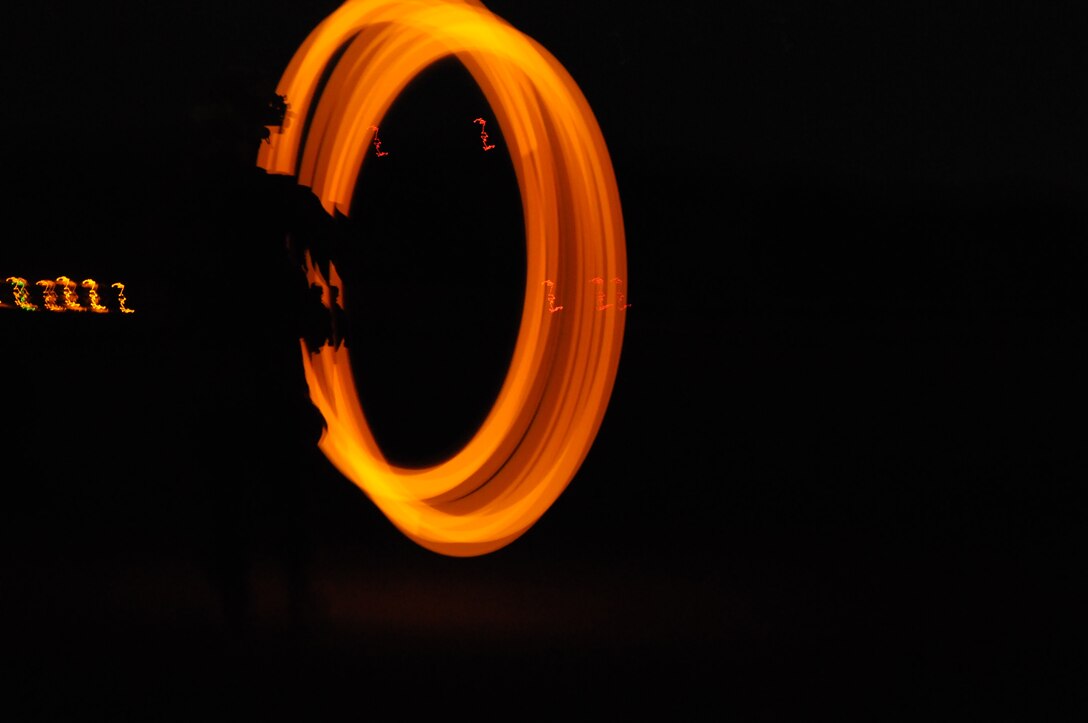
column 49, row 294
column 92, row 295
column 71, row 296
column 563, row 368
column 121, row 298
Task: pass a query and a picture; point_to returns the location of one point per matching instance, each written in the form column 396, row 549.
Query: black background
column 837, row 474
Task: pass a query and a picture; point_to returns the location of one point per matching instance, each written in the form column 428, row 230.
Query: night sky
column 838, row 471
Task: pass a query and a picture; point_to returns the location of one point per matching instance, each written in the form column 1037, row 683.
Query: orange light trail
column 92, row 296
column 121, row 298
column 71, row 296
column 49, row 295
column 563, row 368
column 21, row 294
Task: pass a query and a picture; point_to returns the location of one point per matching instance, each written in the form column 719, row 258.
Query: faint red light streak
column 551, row 297
column 483, row 134
column 621, row 298
column 378, row 143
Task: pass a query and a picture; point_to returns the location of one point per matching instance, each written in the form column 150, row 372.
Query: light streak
column 621, row 298
column 601, row 306
column 92, row 296
column 71, row 296
column 553, row 398
column 21, row 294
column 483, row 134
column 377, row 143
column 620, row 302
column 121, row 297
column 49, row 295
column 550, row 296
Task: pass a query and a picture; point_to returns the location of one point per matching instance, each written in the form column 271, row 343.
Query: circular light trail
column 339, row 85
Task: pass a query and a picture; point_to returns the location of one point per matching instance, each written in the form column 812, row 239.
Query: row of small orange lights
column 68, row 298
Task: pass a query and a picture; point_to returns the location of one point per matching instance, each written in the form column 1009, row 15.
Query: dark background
column 838, row 471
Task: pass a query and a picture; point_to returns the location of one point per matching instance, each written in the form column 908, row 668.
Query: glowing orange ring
column 561, row 375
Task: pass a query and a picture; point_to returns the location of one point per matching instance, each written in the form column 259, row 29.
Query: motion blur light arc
column 563, row 368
